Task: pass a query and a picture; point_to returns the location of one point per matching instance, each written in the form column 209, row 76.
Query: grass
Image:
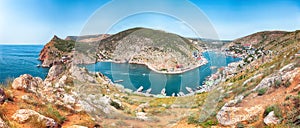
column 35, row 122
column 275, row 108
column 53, row 113
column 159, row 101
column 262, row 91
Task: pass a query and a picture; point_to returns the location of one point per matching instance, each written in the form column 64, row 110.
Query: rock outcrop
column 27, row 82
column 3, row 124
column 24, row 115
column 2, row 96
column 231, row 114
column 271, row 119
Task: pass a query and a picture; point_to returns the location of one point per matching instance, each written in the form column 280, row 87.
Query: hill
column 269, row 40
column 161, row 51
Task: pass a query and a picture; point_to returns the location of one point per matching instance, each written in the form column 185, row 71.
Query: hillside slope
column 157, row 49
column 269, row 40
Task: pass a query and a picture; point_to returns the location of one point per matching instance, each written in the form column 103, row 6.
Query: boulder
column 23, row 115
column 229, row 116
column 271, row 119
column 3, row 124
column 77, row 126
column 54, row 72
column 141, row 116
column 2, row 96
column 27, row 82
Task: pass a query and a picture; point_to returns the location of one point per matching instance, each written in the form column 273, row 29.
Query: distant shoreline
column 157, row 71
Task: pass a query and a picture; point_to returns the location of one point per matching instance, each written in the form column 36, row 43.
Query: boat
column 148, row 91
column 38, row 65
column 173, row 94
column 199, row 87
column 163, row 91
column 118, row 81
column 181, row 94
column 189, row 89
column 140, row 89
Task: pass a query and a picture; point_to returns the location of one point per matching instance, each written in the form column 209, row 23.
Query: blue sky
column 36, row 21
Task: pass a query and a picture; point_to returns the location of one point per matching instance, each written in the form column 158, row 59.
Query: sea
column 16, row 60
column 133, row 76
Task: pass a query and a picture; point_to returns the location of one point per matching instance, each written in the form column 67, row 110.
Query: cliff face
column 54, row 50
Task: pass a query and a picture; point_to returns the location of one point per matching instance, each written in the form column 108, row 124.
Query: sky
column 36, row 21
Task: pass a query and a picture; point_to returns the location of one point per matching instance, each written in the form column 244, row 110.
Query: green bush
column 64, row 45
column 192, row 120
column 116, row 105
column 277, row 83
column 287, row 84
column 275, row 108
column 262, row 91
column 240, row 125
column 54, row 114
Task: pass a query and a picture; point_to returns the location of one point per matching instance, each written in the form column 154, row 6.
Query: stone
column 229, row 116
column 68, row 99
column 76, row 126
column 271, row 119
column 54, row 72
column 3, row 96
column 23, row 115
column 25, row 98
column 141, row 116
column 27, row 82
column 3, row 124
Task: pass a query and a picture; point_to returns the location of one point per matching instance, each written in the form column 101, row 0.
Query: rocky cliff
column 56, row 51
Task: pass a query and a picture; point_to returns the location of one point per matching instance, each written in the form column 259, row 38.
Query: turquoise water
column 16, row 60
column 134, row 75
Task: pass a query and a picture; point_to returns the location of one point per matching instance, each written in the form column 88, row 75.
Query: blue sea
column 16, row 60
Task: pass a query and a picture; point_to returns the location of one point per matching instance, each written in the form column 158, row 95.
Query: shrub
column 262, row 91
column 192, row 120
column 287, row 84
column 116, row 105
column 209, row 123
column 240, row 125
column 54, row 114
column 275, row 108
column 277, row 83
column 64, row 45
column 288, row 97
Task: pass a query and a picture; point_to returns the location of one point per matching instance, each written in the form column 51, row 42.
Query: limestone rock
column 3, row 124
column 230, row 114
column 271, row 119
column 2, row 96
column 27, row 82
column 23, row 115
column 82, row 74
column 77, row 126
column 54, row 72
column 141, row 116
column 68, row 99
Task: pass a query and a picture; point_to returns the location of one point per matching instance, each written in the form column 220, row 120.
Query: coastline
column 162, row 72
